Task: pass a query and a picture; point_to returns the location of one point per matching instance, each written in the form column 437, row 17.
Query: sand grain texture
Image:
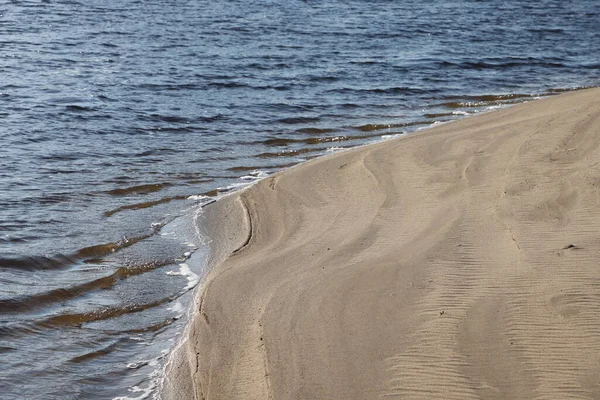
column 462, row 262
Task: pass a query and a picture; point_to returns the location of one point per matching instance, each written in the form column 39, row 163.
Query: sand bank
column 460, row 262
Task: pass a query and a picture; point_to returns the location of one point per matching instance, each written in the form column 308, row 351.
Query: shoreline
column 226, row 225
column 387, row 225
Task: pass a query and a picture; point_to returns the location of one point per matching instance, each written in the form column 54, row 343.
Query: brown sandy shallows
column 462, row 262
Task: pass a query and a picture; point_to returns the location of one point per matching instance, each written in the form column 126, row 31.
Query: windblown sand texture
column 462, row 262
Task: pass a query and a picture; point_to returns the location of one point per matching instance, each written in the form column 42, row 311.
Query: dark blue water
column 118, row 119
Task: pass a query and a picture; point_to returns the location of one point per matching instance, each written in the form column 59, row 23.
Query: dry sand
column 461, row 262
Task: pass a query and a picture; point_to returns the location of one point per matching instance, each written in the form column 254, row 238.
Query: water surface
column 118, row 119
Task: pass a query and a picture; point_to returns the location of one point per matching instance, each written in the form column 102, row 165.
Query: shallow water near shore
column 121, row 119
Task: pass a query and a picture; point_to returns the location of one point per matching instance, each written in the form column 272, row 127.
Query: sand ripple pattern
column 460, row 263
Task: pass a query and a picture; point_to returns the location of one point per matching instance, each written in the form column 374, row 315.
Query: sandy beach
column 460, row 262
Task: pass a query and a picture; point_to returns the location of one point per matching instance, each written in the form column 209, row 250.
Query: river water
column 120, row 119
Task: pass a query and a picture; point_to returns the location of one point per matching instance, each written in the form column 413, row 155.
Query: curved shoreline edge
column 456, row 262
column 227, row 225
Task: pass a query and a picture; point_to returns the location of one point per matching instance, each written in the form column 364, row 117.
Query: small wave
column 103, row 33
column 486, row 100
column 6, row 349
column 78, row 319
column 388, row 137
column 591, row 66
column 438, row 115
column 388, row 90
column 139, row 206
column 168, row 86
column 175, row 119
column 12, row 87
column 96, row 353
column 267, row 66
column 471, row 104
column 563, row 90
column 446, row 114
column 368, row 62
column 254, row 175
column 187, row 128
column 277, row 141
column 375, row 127
column 64, row 261
column 501, row 64
column 34, row 263
column 159, row 151
column 106, row 99
column 19, row 329
column 63, row 157
column 280, row 142
column 317, row 131
column 198, row 197
column 80, row 108
column 289, row 153
column 143, row 393
column 244, row 168
column 185, row 271
column 68, row 101
column 378, row 127
column 227, row 85
column 139, row 189
column 297, row 120
column 233, row 186
column 46, row 299
column 325, row 79
column 211, row 118
column 104, row 249
column 493, row 97
column 152, row 328
column 47, row 199
column 17, row 239
column 546, row 30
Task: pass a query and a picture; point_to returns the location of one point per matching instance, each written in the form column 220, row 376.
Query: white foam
column 157, row 225
column 192, row 278
column 430, row 125
column 136, row 365
column 184, row 270
column 177, row 308
column 144, row 393
column 334, row 149
column 254, row 175
column 233, row 186
column 198, row 197
column 388, row 137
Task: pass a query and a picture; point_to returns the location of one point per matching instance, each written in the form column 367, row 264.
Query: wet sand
column 459, row 262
